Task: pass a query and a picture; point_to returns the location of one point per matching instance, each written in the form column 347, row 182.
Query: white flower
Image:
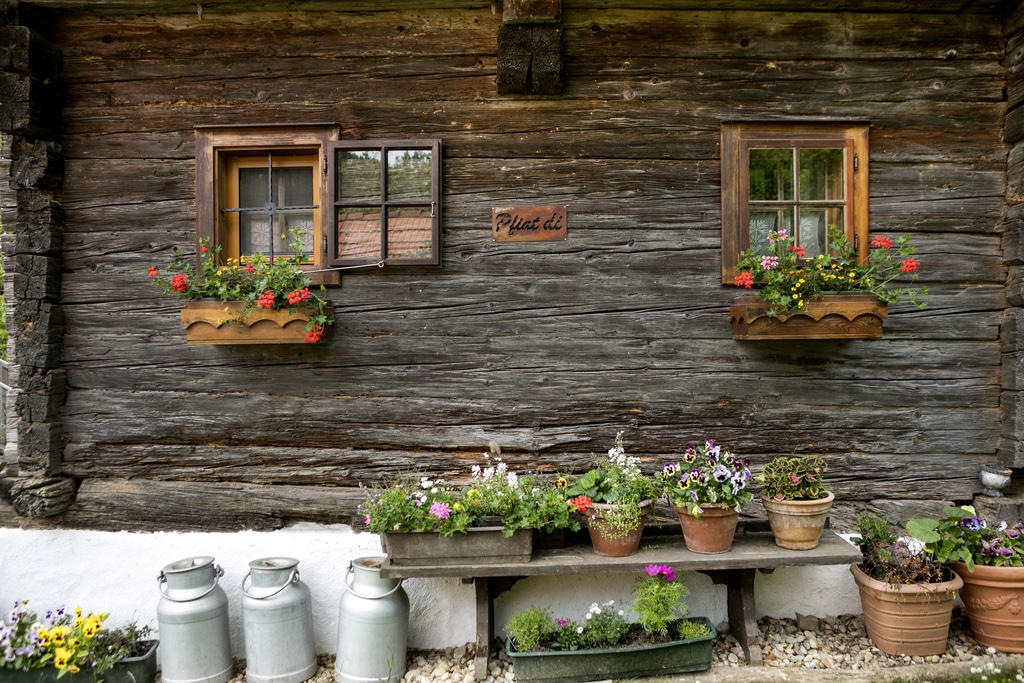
column 589, row 615
column 579, row 629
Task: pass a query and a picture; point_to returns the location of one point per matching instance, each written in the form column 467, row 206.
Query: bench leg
column 743, row 615
column 739, row 585
column 484, row 626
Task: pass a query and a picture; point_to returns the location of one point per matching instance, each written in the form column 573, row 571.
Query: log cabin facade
column 546, row 348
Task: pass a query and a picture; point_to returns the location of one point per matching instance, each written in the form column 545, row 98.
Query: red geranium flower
column 266, row 300
column 153, row 271
column 745, row 279
column 298, row 296
column 880, row 241
column 179, row 283
column 314, row 335
column 799, row 251
column 581, row 503
column 909, row 265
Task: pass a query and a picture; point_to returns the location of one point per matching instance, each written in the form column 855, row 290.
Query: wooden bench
column 753, row 550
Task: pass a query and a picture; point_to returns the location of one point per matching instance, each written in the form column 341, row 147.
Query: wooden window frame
column 739, row 137
column 383, row 146
column 216, row 145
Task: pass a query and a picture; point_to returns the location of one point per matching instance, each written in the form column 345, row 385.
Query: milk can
column 277, row 617
column 373, row 622
column 195, row 643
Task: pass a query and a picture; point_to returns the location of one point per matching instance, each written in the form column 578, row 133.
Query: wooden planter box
column 480, row 545
column 833, row 316
column 130, row 670
column 626, row 662
column 207, row 322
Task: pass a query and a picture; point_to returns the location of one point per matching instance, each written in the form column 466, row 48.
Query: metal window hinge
column 325, row 245
column 856, row 162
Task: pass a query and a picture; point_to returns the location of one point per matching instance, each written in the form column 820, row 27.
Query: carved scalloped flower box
column 215, row 322
column 833, row 316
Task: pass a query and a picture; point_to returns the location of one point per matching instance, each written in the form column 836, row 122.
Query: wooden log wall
column 550, row 348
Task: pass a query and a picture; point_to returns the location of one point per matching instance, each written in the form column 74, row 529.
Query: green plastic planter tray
column 629, row 662
column 131, row 670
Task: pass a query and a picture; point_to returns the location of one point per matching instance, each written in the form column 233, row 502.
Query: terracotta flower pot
column 994, row 598
column 710, row 533
column 612, row 545
column 907, row 619
column 797, row 524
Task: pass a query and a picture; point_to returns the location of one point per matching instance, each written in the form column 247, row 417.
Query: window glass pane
column 293, row 186
column 254, row 237
column 771, row 175
column 358, row 176
column 359, row 233
column 252, row 188
column 302, row 222
column 812, row 234
column 409, row 174
column 763, row 222
column 821, row 174
column 409, row 232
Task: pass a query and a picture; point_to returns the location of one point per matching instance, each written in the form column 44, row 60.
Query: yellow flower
column 690, row 458
column 60, row 657
column 78, row 611
column 561, row 483
column 59, row 633
column 456, row 506
column 473, row 496
column 73, row 669
column 44, row 636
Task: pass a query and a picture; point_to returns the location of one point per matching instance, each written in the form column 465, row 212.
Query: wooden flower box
column 217, row 322
column 479, row 545
column 833, row 316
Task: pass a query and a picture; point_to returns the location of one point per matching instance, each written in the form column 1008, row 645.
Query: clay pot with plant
column 907, row 597
column 796, row 499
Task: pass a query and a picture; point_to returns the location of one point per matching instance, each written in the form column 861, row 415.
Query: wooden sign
column 528, row 223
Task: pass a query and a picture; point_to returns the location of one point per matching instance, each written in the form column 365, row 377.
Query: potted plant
column 603, row 644
column 906, row 596
column 616, row 496
column 796, row 499
column 834, row 295
column 251, row 300
column 990, row 560
column 707, row 488
column 424, row 521
column 73, row 646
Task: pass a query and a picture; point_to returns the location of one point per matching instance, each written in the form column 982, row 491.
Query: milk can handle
column 348, row 585
column 294, row 579
column 218, row 572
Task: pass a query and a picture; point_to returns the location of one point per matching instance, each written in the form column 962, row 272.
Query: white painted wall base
column 117, row 572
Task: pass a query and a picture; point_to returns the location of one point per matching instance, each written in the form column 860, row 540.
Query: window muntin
column 801, row 177
column 386, row 203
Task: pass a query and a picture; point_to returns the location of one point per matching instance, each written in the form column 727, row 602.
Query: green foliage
column 522, row 502
column 889, row 558
column 253, row 280
column 69, row 640
column 794, row 478
column 659, row 600
column 618, row 481
column 962, row 536
column 530, row 628
column 708, row 474
column 787, row 281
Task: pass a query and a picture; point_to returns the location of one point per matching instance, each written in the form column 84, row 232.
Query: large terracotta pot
column 797, row 524
column 614, row 545
column 907, row 619
column 710, row 533
column 994, row 598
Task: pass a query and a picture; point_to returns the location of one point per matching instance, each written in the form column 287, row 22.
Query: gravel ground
column 829, row 649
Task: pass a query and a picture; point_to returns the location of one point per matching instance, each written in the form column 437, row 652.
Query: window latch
column 856, row 162
column 323, row 165
column 325, row 245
